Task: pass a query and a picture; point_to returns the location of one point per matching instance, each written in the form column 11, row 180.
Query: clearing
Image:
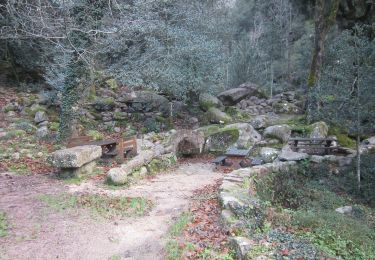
column 39, row 231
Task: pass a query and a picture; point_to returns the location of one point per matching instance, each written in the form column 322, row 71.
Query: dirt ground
column 39, row 232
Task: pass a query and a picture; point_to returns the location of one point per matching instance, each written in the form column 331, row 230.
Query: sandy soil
column 38, row 232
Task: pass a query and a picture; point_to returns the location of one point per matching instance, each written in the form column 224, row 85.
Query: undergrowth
column 305, row 201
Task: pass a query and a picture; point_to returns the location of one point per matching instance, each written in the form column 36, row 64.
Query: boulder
column 287, row 154
column 259, row 122
column 186, row 142
column 268, row 154
column 147, row 101
column 233, row 96
column 319, row 130
column 75, row 157
column 40, row 117
column 207, row 101
column 214, row 115
column 248, row 136
column 369, row 141
column 281, row 132
column 242, row 246
column 42, row 132
column 219, row 139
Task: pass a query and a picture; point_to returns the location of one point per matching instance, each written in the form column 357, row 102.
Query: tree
column 346, row 89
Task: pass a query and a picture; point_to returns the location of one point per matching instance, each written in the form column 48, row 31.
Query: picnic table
column 231, row 152
column 312, row 143
column 110, row 147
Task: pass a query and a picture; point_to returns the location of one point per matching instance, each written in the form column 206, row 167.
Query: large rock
column 75, row 157
column 281, row 132
column 40, row 116
column 287, row 154
column 147, row 101
column 369, row 141
column 319, row 130
column 186, row 142
column 233, row 96
column 219, row 139
column 248, row 136
column 206, row 101
column 268, row 154
column 214, row 115
column 242, row 246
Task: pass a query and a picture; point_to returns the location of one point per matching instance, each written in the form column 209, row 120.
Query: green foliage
column 348, row 77
column 17, row 133
column 342, row 137
column 96, row 135
column 3, row 224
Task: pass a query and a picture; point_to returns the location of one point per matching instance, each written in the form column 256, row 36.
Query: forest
column 201, row 129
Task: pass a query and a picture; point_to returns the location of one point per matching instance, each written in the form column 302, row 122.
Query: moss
column 103, row 104
column 54, row 126
column 299, row 125
column 223, row 139
column 162, row 163
column 237, row 114
column 342, row 137
column 15, row 134
column 95, row 134
column 209, row 130
column 120, row 116
column 112, row 84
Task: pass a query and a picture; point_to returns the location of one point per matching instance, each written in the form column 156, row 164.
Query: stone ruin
column 186, row 142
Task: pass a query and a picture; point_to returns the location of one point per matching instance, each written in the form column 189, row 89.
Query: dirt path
column 38, row 233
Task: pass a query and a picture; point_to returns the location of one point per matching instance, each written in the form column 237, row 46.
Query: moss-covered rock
column 221, row 140
column 104, row 104
column 214, row 115
column 342, row 136
column 206, row 101
column 319, row 130
column 120, row 116
column 161, row 164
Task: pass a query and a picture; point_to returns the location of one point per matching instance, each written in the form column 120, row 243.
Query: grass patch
column 20, row 168
column 3, row 224
column 103, row 205
column 173, row 248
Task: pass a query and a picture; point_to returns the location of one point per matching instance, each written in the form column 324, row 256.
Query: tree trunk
column 322, row 26
column 358, row 163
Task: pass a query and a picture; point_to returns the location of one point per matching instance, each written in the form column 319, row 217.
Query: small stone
column 40, row 116
column 345, row 210
column 241, row 246
column 268, row 154
column 117, row 129
column 16, row 156
column 40, row 154
column 42, row 132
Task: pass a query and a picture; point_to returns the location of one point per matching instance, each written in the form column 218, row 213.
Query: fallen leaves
column 205, row 230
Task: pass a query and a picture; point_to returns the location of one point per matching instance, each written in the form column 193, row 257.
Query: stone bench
column 76, row 161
